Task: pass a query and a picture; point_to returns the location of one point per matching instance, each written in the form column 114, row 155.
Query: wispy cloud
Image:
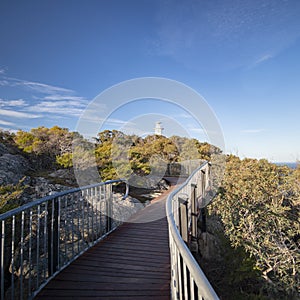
column 111, row 121
column 182, row 116
column 60, row 107
column 59, row 104
column 197, row 130
column 12, row 103
column 44, row 100
column 262, row 59
column 57, row 97
column 2, row 71
column 6, row 123
column 36, row 86
column 4, row 82
column 17, row 114
column 95, row 119
column 244, row 33
column 252, row 130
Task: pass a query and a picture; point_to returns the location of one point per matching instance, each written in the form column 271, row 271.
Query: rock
column 208, row 246
column 12, row 168
column 3, row 149
column 66, row 175
column 150, row 183
column 123, row 209
column 209, row 243
column 42, row 187
column 163, row 185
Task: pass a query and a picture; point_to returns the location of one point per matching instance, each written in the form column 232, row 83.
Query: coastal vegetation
column 257, row 207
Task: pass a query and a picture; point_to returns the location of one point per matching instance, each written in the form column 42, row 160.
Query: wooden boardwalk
column 131, row 263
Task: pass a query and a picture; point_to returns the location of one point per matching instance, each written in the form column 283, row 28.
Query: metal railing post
column 2, row 249
column 53, row 237
column 108, row 208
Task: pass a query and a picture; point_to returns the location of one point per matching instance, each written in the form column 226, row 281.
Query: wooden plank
column 54, row 294
column 107, row 297
column 105, row 286
column 125, row 266
column 132, row 249
column 88, row 278
column 118, row 273
column 128, row 256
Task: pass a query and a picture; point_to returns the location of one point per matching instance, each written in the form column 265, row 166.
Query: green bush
column 259, row 207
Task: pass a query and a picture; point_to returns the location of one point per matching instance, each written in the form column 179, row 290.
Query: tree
column 51, row 146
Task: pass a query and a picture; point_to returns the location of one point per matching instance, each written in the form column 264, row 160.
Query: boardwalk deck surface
column 131, row 263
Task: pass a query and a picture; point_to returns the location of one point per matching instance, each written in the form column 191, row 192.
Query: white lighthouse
column 158, row 129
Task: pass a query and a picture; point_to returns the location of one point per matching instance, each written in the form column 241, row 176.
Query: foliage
column 58, row 147
column 118, row 154
column 10, row 196
column 259, row 206
column 51, row 145
column 65, row 160
column 6, row 137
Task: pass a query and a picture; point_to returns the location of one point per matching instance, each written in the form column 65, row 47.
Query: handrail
column 188, row 280
column 40, row 238
column 59, row 194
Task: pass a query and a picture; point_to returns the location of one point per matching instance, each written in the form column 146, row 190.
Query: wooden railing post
column 194, row 219
column 183, row 219
column 194, row 213
column 203, row 209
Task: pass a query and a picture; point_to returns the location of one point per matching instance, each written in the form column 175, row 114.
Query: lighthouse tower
column 158, row 129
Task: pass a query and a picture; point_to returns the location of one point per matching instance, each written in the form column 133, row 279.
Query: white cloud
column 6, row 123
column 33, row 85
column 57, row 97
column 55, row 108
column 2, row 71
column 42, row 87
column 44, row 100
column 59, row 104
column 263, row 58
column 19, row 102
column 94, row 119
column 17, row 114
column 4, row 83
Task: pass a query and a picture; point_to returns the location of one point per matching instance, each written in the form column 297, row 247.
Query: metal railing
column 183, row 207
column 41, row 238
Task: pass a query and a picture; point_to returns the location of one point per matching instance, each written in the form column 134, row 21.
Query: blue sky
column 243, row 57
